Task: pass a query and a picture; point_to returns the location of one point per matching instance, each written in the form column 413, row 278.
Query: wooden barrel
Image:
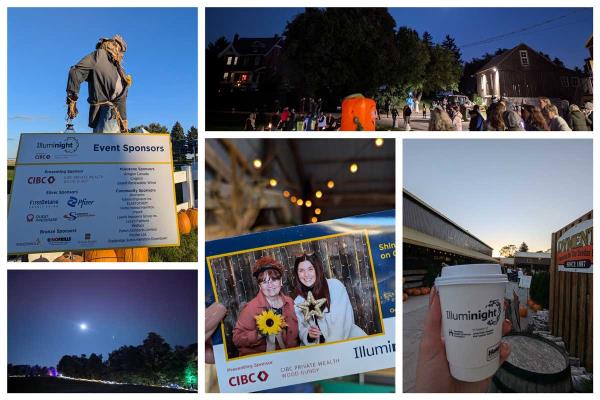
column 535, row 365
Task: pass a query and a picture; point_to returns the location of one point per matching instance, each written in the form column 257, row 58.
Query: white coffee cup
column 472, row 300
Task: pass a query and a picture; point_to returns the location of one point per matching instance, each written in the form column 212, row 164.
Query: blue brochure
column 304, row 303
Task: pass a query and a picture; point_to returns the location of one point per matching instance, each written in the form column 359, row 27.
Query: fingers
column 506, row 327
column 209, row 355
column 504, row 351
column 212, row 317
column 433, row 321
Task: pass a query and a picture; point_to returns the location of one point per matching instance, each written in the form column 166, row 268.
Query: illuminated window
column 235, row 61
column 524, row 57
column 229, row 60
column 226, row 76
column 244, row 77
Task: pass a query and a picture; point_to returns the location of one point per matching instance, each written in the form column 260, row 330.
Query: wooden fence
column 344, row 257
column 571, row 305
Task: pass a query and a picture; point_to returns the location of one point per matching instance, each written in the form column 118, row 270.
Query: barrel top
column 535, row 355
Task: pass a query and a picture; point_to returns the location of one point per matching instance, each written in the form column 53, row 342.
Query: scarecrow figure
column 107, row 86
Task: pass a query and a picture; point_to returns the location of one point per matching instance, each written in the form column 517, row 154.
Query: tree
column 177, row 132
column 153, row 127
column 443, row 70
column 324, row 62
column 523, row 248
column 192, row 138
column 450, row 44
column 557, row 61
column 214, row 66
column 427, row 39
column 508, row 250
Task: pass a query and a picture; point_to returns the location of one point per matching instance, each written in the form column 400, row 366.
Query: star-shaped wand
column 311, row 307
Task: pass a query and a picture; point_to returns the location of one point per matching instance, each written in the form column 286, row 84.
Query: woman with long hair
column 495, row 121
column 533, row 118
column 439, row 120
column 337, row 322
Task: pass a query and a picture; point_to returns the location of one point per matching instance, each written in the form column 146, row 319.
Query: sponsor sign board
column 92, row 191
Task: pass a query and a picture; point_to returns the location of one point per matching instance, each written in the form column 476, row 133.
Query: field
column 41, row 384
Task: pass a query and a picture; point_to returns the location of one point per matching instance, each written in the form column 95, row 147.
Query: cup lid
column 471, row 274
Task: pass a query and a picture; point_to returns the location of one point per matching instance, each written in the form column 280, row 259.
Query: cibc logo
column 240, row 380
column 36, row 180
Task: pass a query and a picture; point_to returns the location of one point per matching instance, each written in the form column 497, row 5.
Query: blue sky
column 563, row 38
column 43, row 43
column 503, row 191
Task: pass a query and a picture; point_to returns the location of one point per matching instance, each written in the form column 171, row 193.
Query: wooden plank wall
column 345, row 258
column 571, row 305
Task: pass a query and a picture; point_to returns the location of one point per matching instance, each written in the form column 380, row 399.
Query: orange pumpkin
column 183, row 222
column 192, row 214
column 523, row 311
column 404, row 297
column 108, row 255
column 426, row 290
column 69, row 257
column 537, row 307
column 358, row 113
column 139, row 254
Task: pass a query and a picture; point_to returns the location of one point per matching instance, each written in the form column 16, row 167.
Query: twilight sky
column 563, row 38
column 46, row 308
column 503, row 191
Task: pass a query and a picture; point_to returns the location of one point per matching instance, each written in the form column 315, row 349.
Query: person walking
column 477, row 120
column 577, row 120
column 406, row 112
column 533, row 118
column 439, row 120
column 394, row 116
column 456, row 117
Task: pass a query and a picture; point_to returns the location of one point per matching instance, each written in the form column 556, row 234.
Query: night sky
column 46, row 310
column 563, row 38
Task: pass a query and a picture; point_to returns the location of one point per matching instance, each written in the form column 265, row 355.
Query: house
column 523, row 73
column 247, row 60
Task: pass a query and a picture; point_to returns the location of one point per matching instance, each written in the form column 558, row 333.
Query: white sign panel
column 575, row 248
column 92, row 191
column 525, row 281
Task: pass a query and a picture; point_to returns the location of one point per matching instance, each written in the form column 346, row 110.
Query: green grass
column 186, row 252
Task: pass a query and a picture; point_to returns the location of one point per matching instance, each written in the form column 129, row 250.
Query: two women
column 337, row 322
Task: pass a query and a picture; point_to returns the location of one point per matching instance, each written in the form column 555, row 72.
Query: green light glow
column 191, row 374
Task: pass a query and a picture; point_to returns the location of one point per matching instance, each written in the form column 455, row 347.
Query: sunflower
column 269, row 323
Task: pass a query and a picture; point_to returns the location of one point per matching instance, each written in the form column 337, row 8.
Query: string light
column 318, row 211
column 318, row 194
column 257, row 163
column 300, row 202
column 273, row 182
column 353, row 167
column 314, row 220
column 379, row 142
column 330, row 184
column 286, row 194
column 293, row 199
column 308, row 203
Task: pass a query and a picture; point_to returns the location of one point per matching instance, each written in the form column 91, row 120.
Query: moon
column 83, row 326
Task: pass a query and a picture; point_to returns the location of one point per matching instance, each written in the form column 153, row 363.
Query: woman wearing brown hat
column 247, row 335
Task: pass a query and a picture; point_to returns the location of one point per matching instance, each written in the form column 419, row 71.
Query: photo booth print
column 344, row 257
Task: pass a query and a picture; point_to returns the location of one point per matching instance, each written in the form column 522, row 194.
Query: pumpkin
column 523, row 311
column 139, row 254
column 426, row 290
column 183, row 222
column 69, row 257
column 404, row 297
column 358, row 113
column 108, row 255
column 537, row 307
column 192, row 214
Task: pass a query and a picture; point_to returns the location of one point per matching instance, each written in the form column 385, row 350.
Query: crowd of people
column 503, row 115
column 290, row 120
